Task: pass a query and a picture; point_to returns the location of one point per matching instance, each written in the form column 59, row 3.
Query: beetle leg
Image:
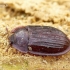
column 6, row 50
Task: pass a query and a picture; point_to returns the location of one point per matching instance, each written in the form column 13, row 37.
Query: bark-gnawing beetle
column 40, row 40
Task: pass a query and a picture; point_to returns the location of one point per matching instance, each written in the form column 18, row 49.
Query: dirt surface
column 15, row 13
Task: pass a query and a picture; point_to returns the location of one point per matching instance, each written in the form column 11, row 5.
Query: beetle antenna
column 7, row 32
column 8, row 38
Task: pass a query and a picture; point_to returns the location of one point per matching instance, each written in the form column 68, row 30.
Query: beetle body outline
column 40, row 40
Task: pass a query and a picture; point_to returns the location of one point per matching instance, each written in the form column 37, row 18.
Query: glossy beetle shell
column 40, row 40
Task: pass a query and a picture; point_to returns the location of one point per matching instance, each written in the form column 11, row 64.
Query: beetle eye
column 11, row 39
column 11, row 42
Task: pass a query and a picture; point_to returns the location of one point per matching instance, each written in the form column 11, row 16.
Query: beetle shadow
column 53, row 60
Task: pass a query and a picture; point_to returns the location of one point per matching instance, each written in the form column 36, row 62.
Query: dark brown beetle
column 40, row 40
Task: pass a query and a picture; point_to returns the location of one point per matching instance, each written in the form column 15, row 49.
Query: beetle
column 40, row 40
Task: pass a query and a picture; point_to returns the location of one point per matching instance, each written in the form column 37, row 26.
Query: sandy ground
column 15, row 13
